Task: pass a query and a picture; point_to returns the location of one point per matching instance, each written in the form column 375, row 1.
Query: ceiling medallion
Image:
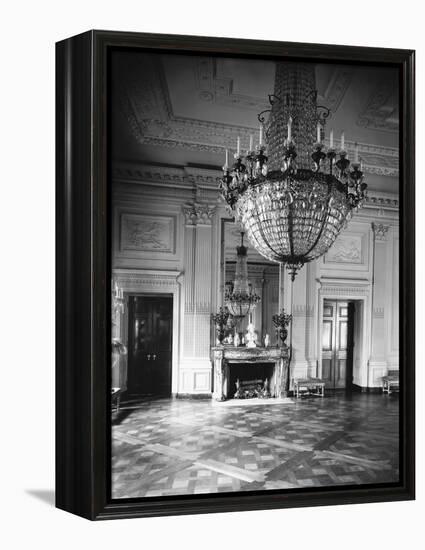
column 294, row 201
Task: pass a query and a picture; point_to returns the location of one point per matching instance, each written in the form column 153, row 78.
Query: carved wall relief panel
column 144, row 233
column 351, row 252
column 346, row 249
column 145, row 237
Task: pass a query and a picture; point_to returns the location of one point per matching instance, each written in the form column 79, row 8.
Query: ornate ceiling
column 184, row 111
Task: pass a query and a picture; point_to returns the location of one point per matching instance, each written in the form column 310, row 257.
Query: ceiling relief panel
column 220, row 89
column 147, row 102
column 335, row 91
column 381, row 110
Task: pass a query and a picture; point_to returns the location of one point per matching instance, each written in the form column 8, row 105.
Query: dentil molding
column 145, row 278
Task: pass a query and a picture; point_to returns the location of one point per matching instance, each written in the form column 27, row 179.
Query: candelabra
column 117, row 300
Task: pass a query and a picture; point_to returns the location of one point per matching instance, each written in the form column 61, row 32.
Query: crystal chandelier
column 295, row 201
column 241, row 300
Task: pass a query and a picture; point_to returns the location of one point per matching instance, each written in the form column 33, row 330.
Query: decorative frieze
column 145, row 280
column 344, row 291
column 179, row 182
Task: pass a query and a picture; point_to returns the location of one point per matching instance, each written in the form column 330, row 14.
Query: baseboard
column 192, row 395
column 363, row 389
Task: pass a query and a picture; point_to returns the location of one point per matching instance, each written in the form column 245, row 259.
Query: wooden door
column 337, row 344
column 150, row 345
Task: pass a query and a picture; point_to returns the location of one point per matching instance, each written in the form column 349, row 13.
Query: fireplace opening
column 250, row 380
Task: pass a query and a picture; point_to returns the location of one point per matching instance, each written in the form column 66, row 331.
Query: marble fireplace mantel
column 223, row 356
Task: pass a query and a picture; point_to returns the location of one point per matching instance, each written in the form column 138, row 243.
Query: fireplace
column 248, row 380
column 252, row 366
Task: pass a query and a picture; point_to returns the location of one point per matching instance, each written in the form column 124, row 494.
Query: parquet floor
column 174, row 447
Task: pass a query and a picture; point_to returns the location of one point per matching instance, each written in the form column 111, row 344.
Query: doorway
column 338, row 343
column 150, row 319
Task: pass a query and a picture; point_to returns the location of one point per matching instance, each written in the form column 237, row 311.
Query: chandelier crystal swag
column 294, row 201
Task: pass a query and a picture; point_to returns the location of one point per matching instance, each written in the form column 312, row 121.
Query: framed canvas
column 235, row 275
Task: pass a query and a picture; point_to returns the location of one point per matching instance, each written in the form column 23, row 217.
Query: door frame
column 153, row 282
column 335, row 339
column 358, row 291
column 158, row 295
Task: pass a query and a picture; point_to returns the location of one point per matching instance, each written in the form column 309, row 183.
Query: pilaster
column 195, row 365
column 377, row 361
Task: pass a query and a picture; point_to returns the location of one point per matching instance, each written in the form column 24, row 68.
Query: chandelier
column 294, row 201
column 241, row 299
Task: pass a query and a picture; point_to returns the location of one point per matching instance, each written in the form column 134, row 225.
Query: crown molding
column 384, row 201
column 181, row 181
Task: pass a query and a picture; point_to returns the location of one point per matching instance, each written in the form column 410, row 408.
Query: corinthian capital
column 196, row 213
column 380, row 231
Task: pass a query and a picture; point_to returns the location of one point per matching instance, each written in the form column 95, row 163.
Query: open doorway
column 338, row 329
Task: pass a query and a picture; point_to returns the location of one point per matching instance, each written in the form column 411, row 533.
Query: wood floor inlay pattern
column 172, row 447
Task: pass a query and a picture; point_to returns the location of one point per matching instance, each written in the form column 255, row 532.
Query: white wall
column 361, row 266
column 170, row 238
column 29, row 32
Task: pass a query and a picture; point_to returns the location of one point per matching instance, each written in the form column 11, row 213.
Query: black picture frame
column 83, row 291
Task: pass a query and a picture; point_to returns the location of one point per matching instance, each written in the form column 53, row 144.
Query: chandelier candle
column 291, row 203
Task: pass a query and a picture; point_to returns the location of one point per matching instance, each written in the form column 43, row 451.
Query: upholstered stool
column 315, row 386
column 390, row 382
